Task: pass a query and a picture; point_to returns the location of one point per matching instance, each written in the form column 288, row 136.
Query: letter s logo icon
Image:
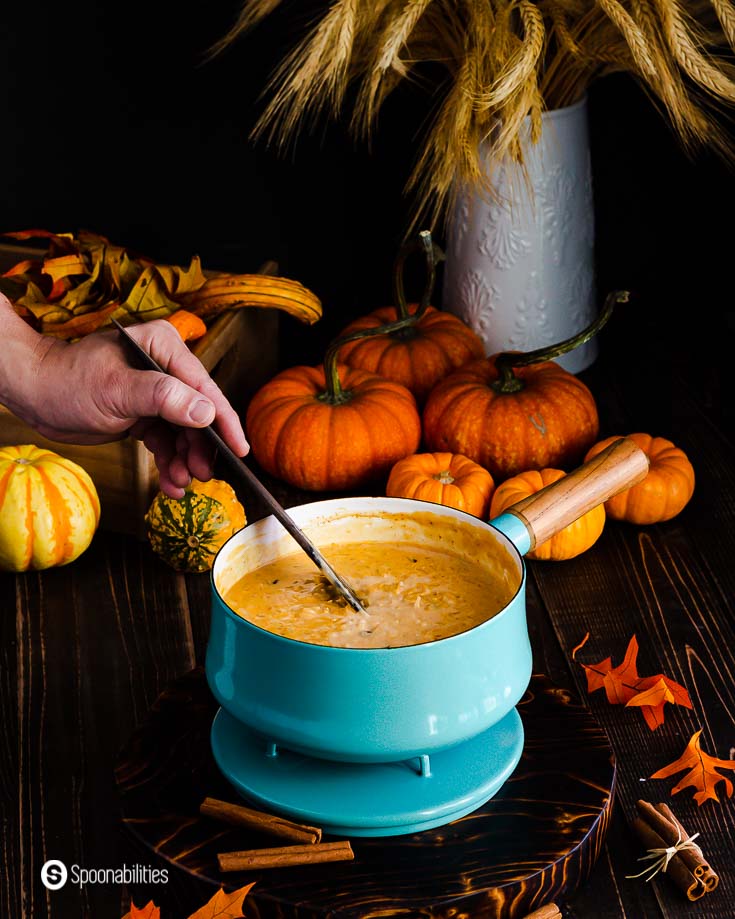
column 54, row 874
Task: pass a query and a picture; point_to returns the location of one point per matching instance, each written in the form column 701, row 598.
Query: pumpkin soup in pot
column 414, row 592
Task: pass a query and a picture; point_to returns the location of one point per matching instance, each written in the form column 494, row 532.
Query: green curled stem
column 335, row 394
column 506, row 362
column 422, row 244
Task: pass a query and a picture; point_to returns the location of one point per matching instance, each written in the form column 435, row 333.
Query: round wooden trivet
column 536, row 840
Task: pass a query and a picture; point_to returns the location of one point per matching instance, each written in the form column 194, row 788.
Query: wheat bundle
column 507, row 62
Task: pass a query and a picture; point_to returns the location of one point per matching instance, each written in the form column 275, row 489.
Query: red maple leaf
column 702, row 771
column 623, row 685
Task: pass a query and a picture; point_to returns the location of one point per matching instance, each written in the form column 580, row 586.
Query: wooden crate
column 240, row 351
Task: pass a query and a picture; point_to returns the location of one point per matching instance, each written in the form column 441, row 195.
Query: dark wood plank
column 671, row 584
column 95, row 642
column 537, row 838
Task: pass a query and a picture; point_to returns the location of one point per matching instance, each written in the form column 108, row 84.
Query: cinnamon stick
column 703, row 869
column 550, row 911
column 679, row 873
column 285, row 856
column 671, row 832
column 237, row 815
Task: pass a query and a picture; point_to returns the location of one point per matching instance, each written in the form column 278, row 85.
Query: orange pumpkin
column 49, row 508
column 417, row 356
column 663, row 493
column 567, row 543
column 422, row 344
column 331, row 428
column 444, row 478
column 516, row 411
column 189, row 326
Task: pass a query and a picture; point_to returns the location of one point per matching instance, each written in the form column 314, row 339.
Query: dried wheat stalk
column 507, row 62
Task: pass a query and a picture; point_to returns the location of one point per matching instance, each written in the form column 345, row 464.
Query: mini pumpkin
column 444, row 478
column 331, row 427
column 49, row 508
column 664, row 492
column 569, row 542
column 418, row 345
column 188, row 532
column 516, row 411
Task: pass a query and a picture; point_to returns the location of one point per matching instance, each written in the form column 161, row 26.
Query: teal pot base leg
column 368, row 799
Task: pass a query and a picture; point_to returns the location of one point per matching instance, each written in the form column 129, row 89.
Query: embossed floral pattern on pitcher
column 520, row 267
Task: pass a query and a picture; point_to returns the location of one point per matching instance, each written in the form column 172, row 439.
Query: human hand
column 86, row 392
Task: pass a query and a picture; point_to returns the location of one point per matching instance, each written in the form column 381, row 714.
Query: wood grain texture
column 537, row 839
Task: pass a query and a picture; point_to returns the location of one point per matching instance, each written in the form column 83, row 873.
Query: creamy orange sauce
column 413, row 594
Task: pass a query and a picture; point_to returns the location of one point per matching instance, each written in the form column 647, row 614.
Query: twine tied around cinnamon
column 662, row 856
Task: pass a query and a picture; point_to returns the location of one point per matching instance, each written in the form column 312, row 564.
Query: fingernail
column 201, row 412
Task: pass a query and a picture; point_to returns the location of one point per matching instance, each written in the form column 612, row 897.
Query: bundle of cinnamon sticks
column 658, row 829
column 308, row 849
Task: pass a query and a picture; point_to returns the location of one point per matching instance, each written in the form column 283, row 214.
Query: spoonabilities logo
column 54, row 874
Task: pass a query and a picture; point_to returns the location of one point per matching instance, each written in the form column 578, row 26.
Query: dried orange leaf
column 623, row 686
column 701, row 772
column 26, row 265
column 148, row 298
column 151, row 911
column 85, row 323
column 64, row 265
column 179, row 280
column 224, row 905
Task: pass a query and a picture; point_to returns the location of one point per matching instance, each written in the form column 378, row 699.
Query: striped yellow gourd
column 49, row 508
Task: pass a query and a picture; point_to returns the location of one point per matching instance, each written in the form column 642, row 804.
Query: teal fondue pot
column 389, row 740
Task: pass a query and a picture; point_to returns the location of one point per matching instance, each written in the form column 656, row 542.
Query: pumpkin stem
column 445, row 477
column 335, row 394
column 433, row 255
column 505, row 363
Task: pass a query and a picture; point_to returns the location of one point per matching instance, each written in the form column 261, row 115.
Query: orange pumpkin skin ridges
column 441, row 343
column 319, row 446
column 567, row 543
column 548, row 423
column 468, row 487
column 664, row 492
column 49, row 509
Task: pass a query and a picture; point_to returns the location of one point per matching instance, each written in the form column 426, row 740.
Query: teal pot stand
column 368, row 799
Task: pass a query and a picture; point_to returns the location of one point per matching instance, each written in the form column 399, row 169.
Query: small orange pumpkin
column 516, row 411
column 421, row 344
column 663, row 493
column 189, row 326
column 444, row 478
column 567, row 543
column 332, row 427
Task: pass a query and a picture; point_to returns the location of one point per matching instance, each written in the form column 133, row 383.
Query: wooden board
column 240, row 351
column 535, row 842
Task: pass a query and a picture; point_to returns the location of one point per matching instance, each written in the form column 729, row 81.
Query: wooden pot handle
column 548, row 511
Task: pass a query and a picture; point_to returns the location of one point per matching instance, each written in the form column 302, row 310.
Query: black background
column 114, row 122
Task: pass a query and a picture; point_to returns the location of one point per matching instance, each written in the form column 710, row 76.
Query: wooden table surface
column 86, row 649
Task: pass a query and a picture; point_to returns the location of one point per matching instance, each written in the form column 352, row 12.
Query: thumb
column 150, row 393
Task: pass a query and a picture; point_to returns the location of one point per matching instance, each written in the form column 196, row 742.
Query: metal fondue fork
column 244, row 474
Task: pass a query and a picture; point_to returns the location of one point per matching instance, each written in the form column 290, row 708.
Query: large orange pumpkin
column 444, row 478
column 516, row 411
column 663, row 493
column 331, row 430
column 421, row 344
column 568, row 542
column 49, row 508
